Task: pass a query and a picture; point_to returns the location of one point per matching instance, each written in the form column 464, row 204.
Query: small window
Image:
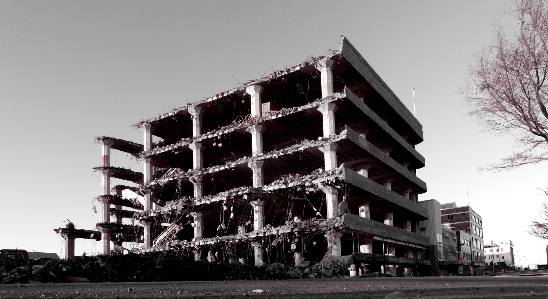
column 450, row 216
column 503, row 257
column 422, row 229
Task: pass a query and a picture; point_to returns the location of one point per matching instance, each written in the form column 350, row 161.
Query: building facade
column 467, row 220
column 500, row 253
column 315, row 160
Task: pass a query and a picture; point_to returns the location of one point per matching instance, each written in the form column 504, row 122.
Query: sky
column 74, row 70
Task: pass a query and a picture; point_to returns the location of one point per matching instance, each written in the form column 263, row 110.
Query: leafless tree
column 507, row 89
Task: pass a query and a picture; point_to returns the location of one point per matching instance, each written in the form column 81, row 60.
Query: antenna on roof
column 414, row 112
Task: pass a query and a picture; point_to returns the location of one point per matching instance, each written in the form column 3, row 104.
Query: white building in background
column 499, row 252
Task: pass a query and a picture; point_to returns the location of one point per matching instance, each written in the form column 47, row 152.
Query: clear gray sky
column 73, row 70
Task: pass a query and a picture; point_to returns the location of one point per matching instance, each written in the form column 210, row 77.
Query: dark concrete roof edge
column 350, row 54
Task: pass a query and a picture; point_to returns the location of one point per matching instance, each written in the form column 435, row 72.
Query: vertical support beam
column 196, row 113
column 389, row 218
column 147, row 135
column 147, row 234
column 332, row 201
column 258, row 254
column 326, row 70
column 391, row 251
column 198, row 225
column 198, row 186
column 365, row 211
column 363, row 169
column 197, row 155
column 329, row 156
column 328, row 116
column 105, row 240
column 258, row 214
column 118, row 207
column 256, row 139
column 407, row 225
column 406, row 193
column 388, row 183
column 334, row 242
column 68, row 251
column 258, row 173
column 255, row 92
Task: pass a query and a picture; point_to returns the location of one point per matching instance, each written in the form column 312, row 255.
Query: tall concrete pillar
column 326, row 70
column 118, row 207
column 332, row 201
column 198, row 225
column 258, row 254
column 68, row 242
column 407, row 225
column 105, row 240
column 364, row 210
column 388, row 183
column 198, row 186
column 329, row 156
column 258, row 214
column 406, row 193
column 256, row 139
column 197, row 155
column 363, row 169
column 196, row 113
column 147, row 177
column 255, row 92
column 105, row 193
column 333, row 243
column 389, row 218
column 258, row 173
column 391, row 251
column 147, row 228
column 328, row 116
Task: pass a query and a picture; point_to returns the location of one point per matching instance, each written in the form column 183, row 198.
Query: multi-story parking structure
column 317, row 159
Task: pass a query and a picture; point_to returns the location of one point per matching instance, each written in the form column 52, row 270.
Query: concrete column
column 409, row 252
column 105, row 240
column 365, row 211
column 258, row 214
column 68, row 241
column 406, row 193
column 197, row 255
column 257, row 139
column 198, row 186
column 367, row 246
column 196, row 113
column 105, row 182
column 363, row 169
column 258, row 173
column 391, row 251
column 334, row 243
column 407, row 225
column 255, row 92
column 118, row 207
column 388, row 183
column 258, row 254
column 147, row 234
column 326, row 69
column 147, row 177
column 329, row 156
column 105, row 208
column 332, row 201
column 389, row 218
column 105, row 149
column 198, row 225
column 328, row 116
column 147, row 143
column 197, row 157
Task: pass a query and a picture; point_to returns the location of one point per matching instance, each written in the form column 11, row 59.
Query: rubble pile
column 155, row 266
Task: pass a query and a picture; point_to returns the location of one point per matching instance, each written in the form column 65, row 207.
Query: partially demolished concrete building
column 311, row 161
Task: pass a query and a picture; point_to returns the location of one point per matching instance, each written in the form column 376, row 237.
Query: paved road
column 425, row 287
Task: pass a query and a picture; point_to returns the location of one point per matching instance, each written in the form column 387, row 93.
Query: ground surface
column 424, row 287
